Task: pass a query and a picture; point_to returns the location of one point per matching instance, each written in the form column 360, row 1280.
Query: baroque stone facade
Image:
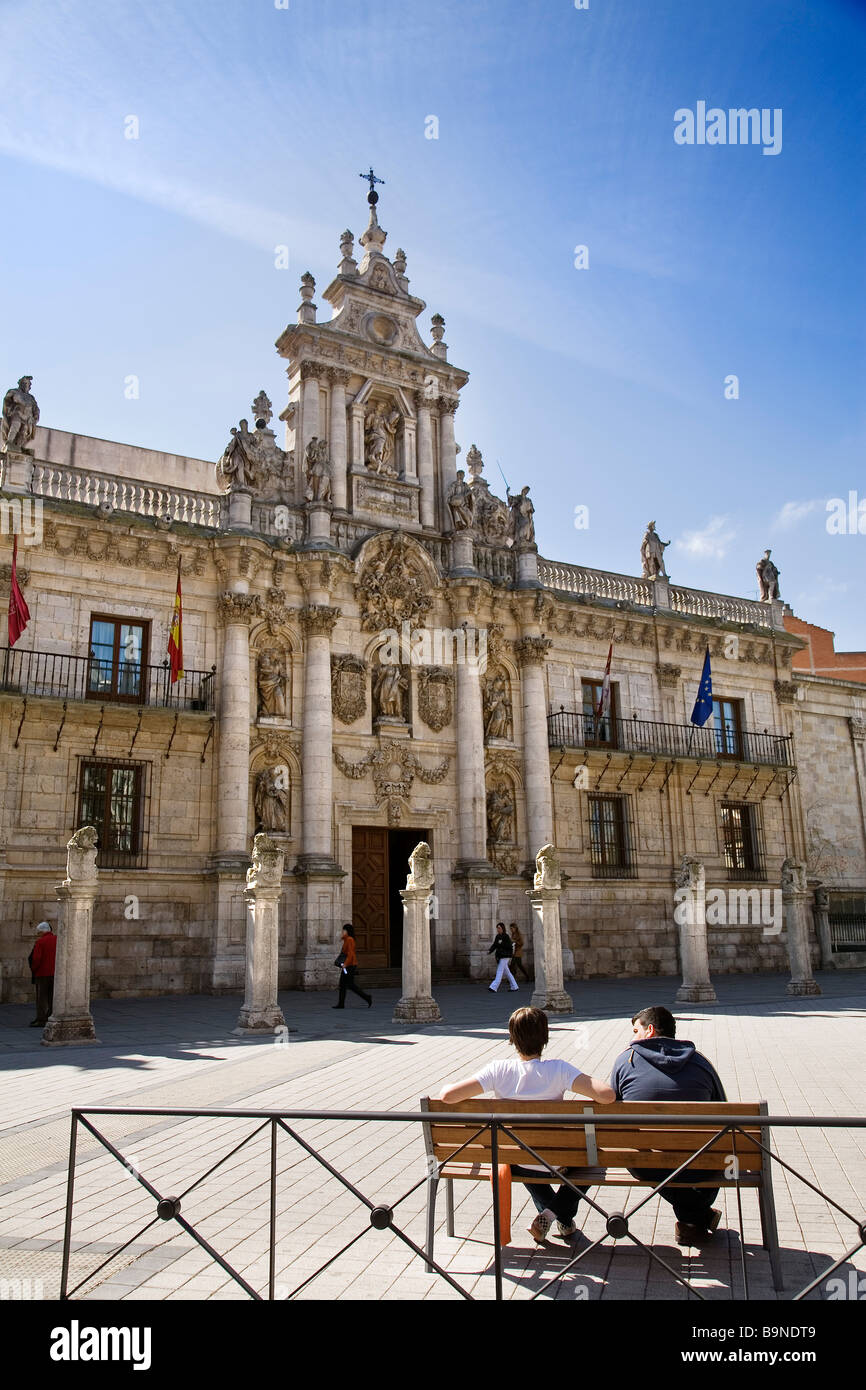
column 376, row 657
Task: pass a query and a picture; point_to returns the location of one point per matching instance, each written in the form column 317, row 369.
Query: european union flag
column 704, row 703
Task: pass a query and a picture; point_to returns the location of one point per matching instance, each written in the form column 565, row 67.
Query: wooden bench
column 601, row 1154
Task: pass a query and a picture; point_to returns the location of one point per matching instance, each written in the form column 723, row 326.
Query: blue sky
column 602, row 386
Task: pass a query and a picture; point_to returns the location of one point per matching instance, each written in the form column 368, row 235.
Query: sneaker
column 687, row 1234
column 540, row 1226
column 566, row 1229
column 492, row 990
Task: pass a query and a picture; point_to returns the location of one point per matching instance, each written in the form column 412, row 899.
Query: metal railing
column 380, row 1215
column 570, row 729
column 58, row 676
column 847, row 931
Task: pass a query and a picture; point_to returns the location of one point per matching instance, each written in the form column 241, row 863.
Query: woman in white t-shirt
column 528, row 1077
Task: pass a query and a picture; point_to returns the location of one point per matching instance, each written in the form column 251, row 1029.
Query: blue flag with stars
column 704, row 703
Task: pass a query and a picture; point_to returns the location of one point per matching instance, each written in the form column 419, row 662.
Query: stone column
column 463, row 553
column 71, row 1021
column 417, row 1004
column 690, row 915
column 426, row 471
column 549, row 993
column 339, row 379
column 310, row 372
column 236, row 611
column 261, row 1012
column 796, row 899
column 822, row 927
column 447, row 450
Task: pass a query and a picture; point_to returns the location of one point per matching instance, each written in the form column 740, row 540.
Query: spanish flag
column 175, row 636
column 19, row 613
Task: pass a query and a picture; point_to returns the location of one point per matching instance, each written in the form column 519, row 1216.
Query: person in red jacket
column 41, row 962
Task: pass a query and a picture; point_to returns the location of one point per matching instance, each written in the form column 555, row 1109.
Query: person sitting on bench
column 659, row 1066
column 528, row 1077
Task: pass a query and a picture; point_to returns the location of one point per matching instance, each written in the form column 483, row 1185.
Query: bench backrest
column 571, row 1145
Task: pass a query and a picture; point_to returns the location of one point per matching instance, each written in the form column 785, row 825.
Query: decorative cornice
column 532, row 651
column 239, row 608
column 668, row 675
column 129, row 552
column 318, row 620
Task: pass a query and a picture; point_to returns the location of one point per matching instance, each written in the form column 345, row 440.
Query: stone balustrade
column 66, row 483
column 576, row 579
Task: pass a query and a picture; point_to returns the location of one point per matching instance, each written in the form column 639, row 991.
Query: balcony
column 55, row 676
column 568, row 729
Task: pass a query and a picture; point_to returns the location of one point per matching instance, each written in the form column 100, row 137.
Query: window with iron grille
column 114, row 796
column 611, row 837
column 742, row 840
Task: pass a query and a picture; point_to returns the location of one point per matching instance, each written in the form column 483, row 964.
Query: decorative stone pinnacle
column 438, row 328
column 308, row 287
column 474, row 462
column 400, row 261
column 374, row 238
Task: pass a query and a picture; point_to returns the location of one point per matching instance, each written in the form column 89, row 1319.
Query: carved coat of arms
column 348, row 688
column 436, row 696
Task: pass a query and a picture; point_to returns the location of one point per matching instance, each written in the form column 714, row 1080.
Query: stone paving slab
column 801, row 1055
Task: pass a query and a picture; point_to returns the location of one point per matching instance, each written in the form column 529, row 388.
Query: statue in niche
column 272, row 800
column 652, row 553
column 271, row 682
column 460, row 503
column 390, row 683
column 497, row 707
column 20, row 416
column 522, row 511
column 380, row 431
column 500, row 815
column 768, row 578
column 238, row 466
column 318, row 468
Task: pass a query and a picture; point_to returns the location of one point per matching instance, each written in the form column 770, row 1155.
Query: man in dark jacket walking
column 658, row 1066
column 41, row 962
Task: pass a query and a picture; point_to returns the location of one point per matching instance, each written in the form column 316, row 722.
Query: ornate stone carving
column 857, row 725
column 436, row 696
column 447, row 404
column 318, row 620
column 128, row 552
column 255, row 461
column 395, row 768
column 266, row 868
column 392, row 590
column 500, row 814
column 793, row 877
column 668, row 675
column 522, row 526
column 460, row 503
column 420, row 867
column 497, row 706
column 381, row 420
column 237, row 467
column 532, row 651
column 262, row 410
column 277, row 611
column 275, row 745
column 390, row 689
column 272, row 800
column 690, row 874
column 390, row 501
column 474, row 462
column 339, row 376
column 547, row 872
column 318, row 468
column 312, row 371
column 81, row 855
column 348, row 688
column 786, row 691
column 652, row 554
column 271, row 685
column 239, row 608
column 768, row 578
column 20, row 417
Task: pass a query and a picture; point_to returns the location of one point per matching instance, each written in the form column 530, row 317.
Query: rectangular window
column 118, row 659
column 598, row 731
column 611, row 838
column 113, row 797
column 727, row 726
column 743, row 852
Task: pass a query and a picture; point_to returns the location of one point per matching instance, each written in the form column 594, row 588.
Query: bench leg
column 449, row 1206
column 432, row 1185
column 769, row 1230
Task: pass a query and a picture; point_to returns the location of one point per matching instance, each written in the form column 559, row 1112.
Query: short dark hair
column 347, row 927
column 528, row 1031
column 659, row 1018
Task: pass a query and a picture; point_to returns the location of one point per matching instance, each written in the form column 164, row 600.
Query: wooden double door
column 380, row 865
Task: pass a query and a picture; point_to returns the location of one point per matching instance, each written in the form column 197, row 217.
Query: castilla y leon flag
column 19, row 613
column 604, row 703
column 704, row 702
column 175, row 636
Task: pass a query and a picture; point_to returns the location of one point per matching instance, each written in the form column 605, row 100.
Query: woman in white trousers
column 502, row 948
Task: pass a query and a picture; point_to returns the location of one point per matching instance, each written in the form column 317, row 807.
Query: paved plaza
column 802, row 1055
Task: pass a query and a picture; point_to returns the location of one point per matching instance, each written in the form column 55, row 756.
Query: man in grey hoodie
column 658, row 1066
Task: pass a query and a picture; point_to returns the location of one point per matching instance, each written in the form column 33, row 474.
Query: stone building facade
column 376, row 654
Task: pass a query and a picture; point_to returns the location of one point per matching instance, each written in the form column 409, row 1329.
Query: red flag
column 19, row 613
column 175, row 636
column 604, row 702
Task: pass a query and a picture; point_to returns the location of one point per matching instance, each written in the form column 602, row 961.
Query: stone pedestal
column 549, row 993
column 690, row 915
column 16, row 470
column 318, row 523
column 462, row 554
column 416, row 1004
column 240, row 509
column 661, row 591
column 527, row 567
column 822, row 927
column 71, row 1023
column 796, row 899
column 261, row 1012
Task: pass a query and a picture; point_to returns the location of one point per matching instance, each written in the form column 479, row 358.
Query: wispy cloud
column 792, row 512
column 710, row 543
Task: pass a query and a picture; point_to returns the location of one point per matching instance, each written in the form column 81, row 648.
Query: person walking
column 517, row 941
column 41, row 962
column 502, row 947
column 348, row 963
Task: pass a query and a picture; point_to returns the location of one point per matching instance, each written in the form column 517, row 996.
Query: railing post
column 497, row 1232
column 70, row 1192
column 273, row 1221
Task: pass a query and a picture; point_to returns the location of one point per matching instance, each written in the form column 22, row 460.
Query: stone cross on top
column 372, row 196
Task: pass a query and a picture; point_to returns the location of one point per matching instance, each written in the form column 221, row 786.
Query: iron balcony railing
column 847, row 931
column 57, row 676
column 568, row 729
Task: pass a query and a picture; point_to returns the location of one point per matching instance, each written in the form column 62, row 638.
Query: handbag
column 340, row 958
